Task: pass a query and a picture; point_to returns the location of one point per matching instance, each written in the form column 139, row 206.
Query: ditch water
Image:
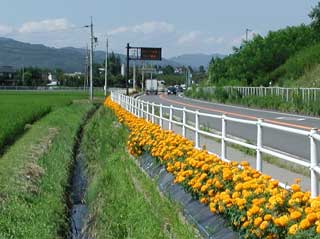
column 78, row 210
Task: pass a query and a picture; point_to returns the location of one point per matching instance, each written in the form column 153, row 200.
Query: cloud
column 118, row 30
column 151, row 27
column 4, row 29
column 189, row 37
column 45, row 25
column 145, row 28
column 214, row 40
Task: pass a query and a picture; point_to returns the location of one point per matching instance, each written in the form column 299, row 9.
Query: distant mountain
column 69, row 59
column 195, row 60
column 18, row 54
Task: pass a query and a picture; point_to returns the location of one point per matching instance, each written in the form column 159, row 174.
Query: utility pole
column 106, row 71
column 86, row 78
column 142, row 80
column 247, row 32
column 134, row 75
column 91, row 61
column 128, row 59
column 22, row 74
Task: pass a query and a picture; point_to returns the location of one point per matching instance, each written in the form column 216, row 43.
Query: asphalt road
column 287, row 142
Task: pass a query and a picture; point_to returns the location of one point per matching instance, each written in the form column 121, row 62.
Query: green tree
column 168, row 70
column 201, row 69
column 315, row 16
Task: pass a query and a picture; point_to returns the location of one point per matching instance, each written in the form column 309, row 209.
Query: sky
column 179, row 27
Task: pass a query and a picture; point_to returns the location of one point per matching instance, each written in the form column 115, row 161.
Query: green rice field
column 18, row 109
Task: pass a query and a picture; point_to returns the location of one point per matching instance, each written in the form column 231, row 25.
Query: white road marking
column 291, row 118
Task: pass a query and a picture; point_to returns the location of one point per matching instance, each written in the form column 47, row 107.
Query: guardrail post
column 259, row 145
column 152, row 112
column 223, row 136
column 128, row 103
column 147, row 114
column 184, row 121
column 197, row 141
column 160, row 116
column 142, row 110
column 313, row 160
column 170, row 117
column 139, row 108
column 135, row 106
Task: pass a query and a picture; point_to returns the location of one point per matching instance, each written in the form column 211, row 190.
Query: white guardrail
column 287, row 94
column 144, row 109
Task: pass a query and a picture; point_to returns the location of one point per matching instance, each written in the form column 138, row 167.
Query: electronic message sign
column 150, row 54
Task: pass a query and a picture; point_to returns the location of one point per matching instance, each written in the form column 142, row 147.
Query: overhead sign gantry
column 141, row 54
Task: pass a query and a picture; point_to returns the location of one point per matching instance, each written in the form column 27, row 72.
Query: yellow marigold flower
column 293, row 229
column 238, row 187
column 204, row 200
column 244, row 164
column 295, row 215
column 281, row 221
column 221, row 208
column 267, row 217
column 315, row 204
column 254, row 209
column 245, row 224
column 212, row 207
column 295, row 187
column 297, row 180
column 308, row 210
column 263, row 225
column 304, row 224
column 318, row 229
column 218, row 184
column 312, row 217
column 257, row 221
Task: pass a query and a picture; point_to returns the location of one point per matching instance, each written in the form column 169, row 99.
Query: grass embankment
column 123, row 201
column 20, row 108
column 34, row 175
column 297, row 105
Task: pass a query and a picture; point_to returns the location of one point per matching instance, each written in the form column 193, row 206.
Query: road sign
column 150, row 54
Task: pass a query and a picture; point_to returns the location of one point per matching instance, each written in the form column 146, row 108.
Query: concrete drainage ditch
column 210, row 225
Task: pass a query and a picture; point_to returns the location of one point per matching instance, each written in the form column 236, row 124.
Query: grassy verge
column 34, row 175
column 123, row 201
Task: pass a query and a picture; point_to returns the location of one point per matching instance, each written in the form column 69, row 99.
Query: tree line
column 255, row 62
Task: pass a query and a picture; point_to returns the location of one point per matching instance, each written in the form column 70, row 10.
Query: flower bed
column 254, row 204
